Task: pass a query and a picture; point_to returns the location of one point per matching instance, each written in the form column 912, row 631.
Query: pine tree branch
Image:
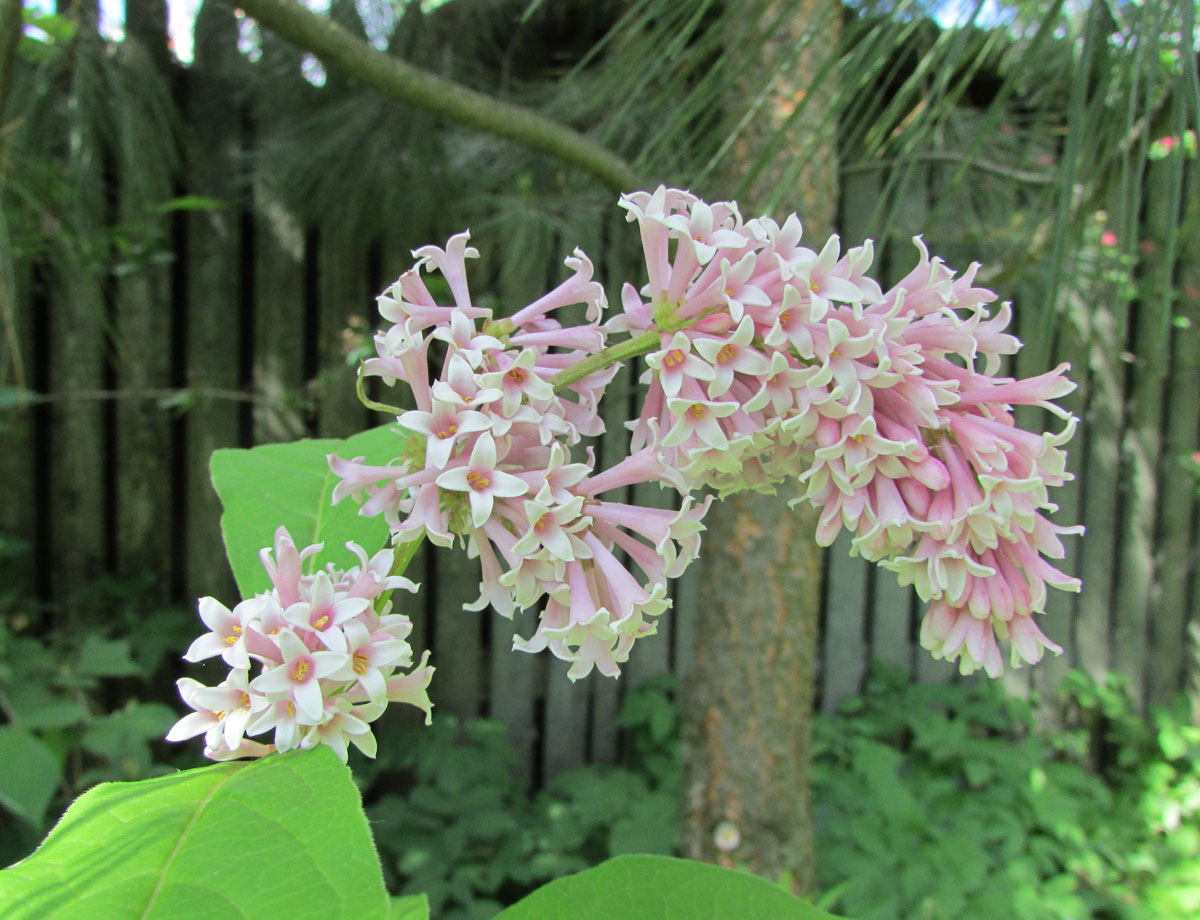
column 338, row 50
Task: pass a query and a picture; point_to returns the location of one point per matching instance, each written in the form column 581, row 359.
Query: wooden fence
column 251, row 319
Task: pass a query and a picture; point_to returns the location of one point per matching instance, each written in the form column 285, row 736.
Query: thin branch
column 339, row 50
column 19, row 399
column 1086, row 198
column 947, row 156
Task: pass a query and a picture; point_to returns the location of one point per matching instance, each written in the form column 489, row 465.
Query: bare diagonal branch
column 339, row 50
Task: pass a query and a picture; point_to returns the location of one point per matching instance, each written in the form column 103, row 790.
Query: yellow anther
column 477, row 481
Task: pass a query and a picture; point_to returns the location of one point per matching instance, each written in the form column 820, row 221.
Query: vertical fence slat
column 458, row 650
column 843, row 658
column 214, row 167
column 18, row 511
column 1141, row 447
column 1170, row 646
column 564, row 741
column 514, row 678
column 280, row 326
column 1100, row 442
column 343, row 294
column 142, row 320
column 78, row 534
column 144, row 509
column 891, row 621
column 1189, row 549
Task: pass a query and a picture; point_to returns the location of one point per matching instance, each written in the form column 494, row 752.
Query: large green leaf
column 280, row 837
column 291, row 484
column 663, row 888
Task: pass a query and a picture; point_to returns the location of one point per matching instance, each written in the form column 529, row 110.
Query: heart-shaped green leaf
column 664, row 888
column 284, row 836
column 291, row 485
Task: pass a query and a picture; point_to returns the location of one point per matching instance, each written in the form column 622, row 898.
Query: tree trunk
column 748, row 700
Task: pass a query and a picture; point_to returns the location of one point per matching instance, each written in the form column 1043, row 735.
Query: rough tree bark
column 748, row 699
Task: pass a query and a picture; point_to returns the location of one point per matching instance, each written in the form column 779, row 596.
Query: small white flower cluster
column 329, row 662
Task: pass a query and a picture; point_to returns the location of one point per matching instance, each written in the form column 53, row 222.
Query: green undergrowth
column 930, row 802
column 85, row 695
column 465, row 831
column 949, row 802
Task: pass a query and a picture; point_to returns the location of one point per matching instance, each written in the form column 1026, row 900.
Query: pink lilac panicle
column 498, row 470
column 327, row 658
column 776, row 363
column 884, row 406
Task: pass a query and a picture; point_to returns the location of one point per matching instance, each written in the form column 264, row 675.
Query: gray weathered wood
column 1100, row 444
column 280, row 327
column 1137, row 591
column 843, row 662
column 345, row 302
column 18, row 512
column 215, row 168
column 458, row 649
column 891, row 622
column 564, row 728
column 1170, row 645
column 513, row 682
column 145, row 509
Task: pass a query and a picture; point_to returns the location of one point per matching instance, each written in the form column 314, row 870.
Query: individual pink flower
column 341, row 722
column 482, row 480
column 675, row 362
column 727, row 356
column 226, row 639
column 221, row 713
column 445, row 426
column 298, row 675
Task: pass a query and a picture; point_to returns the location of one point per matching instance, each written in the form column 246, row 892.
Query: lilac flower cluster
column 328, row 661
column 767, row 362
column 494, row 465
column 778, row 362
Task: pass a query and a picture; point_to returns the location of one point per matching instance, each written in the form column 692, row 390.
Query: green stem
column 622, row 351
column 370, row 403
